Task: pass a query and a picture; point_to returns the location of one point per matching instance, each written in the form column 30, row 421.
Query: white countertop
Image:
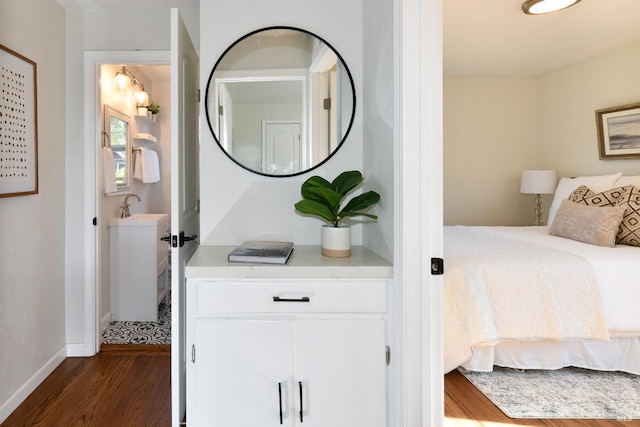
column 305, row 262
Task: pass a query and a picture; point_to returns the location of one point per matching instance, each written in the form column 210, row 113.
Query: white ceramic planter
column 336, row 241
column 142, row 111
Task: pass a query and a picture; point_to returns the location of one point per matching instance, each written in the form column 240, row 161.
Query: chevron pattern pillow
column 629, row 231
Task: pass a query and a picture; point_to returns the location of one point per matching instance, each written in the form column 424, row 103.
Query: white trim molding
column 12, row 403
column 418, row 175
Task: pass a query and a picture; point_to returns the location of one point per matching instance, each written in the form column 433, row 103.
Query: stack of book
column 262, row 251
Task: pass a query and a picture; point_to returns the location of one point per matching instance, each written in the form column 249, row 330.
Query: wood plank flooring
column 130, row 385
column 466, row 406
column 121, row 386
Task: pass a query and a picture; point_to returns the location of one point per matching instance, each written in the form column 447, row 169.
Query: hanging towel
column 109, row 171
column 147, row 168
column 137, row 164
column 155, row 167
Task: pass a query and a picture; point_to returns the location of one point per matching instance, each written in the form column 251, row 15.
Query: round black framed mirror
column 280, row 101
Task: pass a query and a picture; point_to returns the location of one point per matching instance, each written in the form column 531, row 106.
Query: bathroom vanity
column 139, row 266
column 284, row 344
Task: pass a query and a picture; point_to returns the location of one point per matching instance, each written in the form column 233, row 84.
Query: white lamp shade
column 538, row 181
column 539, row 7
column 141, row 97
column 121, row 82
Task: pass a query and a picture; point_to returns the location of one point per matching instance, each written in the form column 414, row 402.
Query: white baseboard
column 80, row 350
column 10, row 405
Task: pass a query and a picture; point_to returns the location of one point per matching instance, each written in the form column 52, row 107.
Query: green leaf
column 347, row 181
column 327, row 196
column 360, row 203
column 311, row 183
column 312, row 207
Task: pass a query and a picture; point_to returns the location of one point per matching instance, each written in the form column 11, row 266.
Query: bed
column 539, row 298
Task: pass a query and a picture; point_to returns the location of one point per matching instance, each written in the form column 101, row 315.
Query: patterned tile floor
column 128, row 332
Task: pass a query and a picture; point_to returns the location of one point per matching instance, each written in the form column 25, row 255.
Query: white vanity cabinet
column 304, row 344
column 139, row 266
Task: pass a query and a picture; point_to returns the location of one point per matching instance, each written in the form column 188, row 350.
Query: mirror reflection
column 116, row 129
column 280, row 101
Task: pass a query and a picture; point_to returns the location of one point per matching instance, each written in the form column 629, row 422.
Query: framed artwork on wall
column 619, row 132
column 18, row 125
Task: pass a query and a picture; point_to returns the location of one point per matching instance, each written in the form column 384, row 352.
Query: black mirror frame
column 353, row 94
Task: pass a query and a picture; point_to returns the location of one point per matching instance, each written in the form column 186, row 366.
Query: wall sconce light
column 540, row 7
column 538, row 181
column 125, row 82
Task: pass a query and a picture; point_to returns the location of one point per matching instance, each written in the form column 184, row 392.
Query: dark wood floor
column 121, row 386
column 131, row 386
column 464, row 404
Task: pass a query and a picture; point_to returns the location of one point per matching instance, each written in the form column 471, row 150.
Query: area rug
column 129, row 332
column 565, row 393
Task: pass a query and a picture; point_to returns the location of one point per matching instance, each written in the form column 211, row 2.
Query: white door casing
column 185, row 217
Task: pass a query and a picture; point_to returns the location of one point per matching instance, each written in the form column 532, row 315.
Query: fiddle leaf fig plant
column 323, row 198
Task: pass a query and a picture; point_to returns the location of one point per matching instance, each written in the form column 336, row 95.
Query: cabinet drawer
column 216, row 297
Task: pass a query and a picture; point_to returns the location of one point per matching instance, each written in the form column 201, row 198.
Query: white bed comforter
column 499, row 288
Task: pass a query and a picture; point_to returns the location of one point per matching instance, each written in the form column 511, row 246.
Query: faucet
column 125, row 205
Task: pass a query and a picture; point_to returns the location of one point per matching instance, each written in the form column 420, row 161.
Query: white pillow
column 597, row 184
column 628, row 180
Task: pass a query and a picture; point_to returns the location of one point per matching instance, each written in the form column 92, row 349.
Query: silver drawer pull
column 303, row 299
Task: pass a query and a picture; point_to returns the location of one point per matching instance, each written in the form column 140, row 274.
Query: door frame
column 92, row 205
column 419, row 379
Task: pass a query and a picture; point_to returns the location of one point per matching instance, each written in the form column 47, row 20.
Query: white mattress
column 617, row 271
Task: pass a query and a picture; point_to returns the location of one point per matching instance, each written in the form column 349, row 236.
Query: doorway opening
column 143, row 197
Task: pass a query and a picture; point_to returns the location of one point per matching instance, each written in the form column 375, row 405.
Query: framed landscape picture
column 619, row 132
column 18, row 125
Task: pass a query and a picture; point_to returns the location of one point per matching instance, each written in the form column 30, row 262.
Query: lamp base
column 538, row 210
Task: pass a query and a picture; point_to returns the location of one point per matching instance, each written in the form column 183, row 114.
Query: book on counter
column 262, row 251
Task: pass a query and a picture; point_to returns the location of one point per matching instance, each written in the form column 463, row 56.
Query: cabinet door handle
column 280, row 400
column 301, row 408
column 303, row 299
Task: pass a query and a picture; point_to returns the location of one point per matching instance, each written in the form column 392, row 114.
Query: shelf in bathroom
column 145, row 120
column 146, row 137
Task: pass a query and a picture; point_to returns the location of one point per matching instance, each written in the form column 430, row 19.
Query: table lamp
column 538, row 181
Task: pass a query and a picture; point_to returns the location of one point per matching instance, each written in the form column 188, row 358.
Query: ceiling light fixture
column 540, row 7
column 123, row 82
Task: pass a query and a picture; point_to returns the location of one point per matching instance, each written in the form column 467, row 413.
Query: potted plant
column 153, row 109
column 323, row 199
column 142, row 109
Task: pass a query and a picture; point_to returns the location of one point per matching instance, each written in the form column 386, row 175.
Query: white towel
column 147, row 168
column 109, row 171
column 137, row 165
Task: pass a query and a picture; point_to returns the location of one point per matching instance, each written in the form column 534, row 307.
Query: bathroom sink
column 145, row 217
column 138, row 220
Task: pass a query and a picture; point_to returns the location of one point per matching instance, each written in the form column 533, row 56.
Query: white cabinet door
column 341, row 365
column 238, row 367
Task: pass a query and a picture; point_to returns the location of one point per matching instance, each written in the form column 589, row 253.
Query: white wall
column 32, row 277
column 494, row 128
column 489, row 138
column 379, row 112
column 235, row 204
column 566, row 103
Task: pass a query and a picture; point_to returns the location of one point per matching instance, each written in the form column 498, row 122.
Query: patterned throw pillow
column 584, row 196
column 587, row 224
column 629, row 232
